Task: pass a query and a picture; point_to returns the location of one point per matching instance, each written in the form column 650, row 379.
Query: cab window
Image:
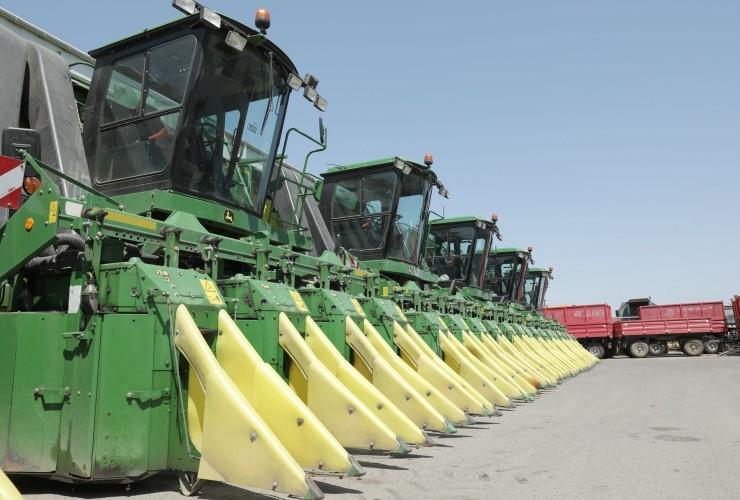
column 138, row 140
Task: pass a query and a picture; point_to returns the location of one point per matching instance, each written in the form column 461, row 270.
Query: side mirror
column 17, row 140
column 322, row 131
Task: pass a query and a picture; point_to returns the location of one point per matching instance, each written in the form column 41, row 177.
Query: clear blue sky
column 604, row 133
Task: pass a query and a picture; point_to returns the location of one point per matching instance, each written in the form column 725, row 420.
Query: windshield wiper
column 236, row 144
column 269, row 104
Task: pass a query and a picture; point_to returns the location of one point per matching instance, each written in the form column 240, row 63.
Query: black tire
column 638, row 349
column 657, row 348
column 711, row 347
column 610, row 352
column 693, row 347
column 190, row 485
column 597, row 350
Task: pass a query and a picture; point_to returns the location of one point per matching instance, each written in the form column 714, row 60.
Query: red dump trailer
column 734, row 316
column 694, row 328
column 591, row 324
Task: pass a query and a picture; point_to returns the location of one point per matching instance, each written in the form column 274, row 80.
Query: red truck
column 591, row 324
column 644, row 328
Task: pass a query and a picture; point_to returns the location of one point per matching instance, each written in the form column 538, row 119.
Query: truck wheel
column 638, row 349
column 693, row 347
column 597, row 350
column 711, row 347
column 190, row 485
column 610, row 352
column 657, row 349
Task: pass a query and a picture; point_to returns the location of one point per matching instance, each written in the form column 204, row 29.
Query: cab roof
column 456, row 220
column 539, row 270
column 381, row 162
column 189, row 21
column 508, row 250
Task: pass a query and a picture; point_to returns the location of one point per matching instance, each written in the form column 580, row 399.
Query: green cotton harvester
column 173, row 299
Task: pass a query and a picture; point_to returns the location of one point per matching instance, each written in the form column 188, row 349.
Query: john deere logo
column 229, row 216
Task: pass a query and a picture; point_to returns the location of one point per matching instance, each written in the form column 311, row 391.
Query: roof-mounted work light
column 310, row 83
column 402, row 166
column 210, row 17
column 320, row 103
column 188, row 7
column 295, row 82
column 236, row 41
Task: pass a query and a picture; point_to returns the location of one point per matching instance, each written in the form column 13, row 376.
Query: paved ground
column 628, row 429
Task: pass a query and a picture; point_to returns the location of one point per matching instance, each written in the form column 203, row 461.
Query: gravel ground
column 628, row 429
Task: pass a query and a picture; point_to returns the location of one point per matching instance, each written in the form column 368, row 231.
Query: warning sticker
column 211, row 292
column 385, row 291
column 299, row 301
column 53, row 211
column 358, row 307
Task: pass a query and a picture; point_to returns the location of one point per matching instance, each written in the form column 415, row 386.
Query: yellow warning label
column 358, row 307
column 299, row 301
column 131, row 220
column 211, row 292
column 53, row 211
column 385, row 291
column 400, row 313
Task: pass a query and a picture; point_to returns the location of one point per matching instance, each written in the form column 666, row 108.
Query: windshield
column 501, row 275
column 233, row 127
column 531, row 290
column 544, row 282
column 361, row 210
column 453, row 251
column 406, row 228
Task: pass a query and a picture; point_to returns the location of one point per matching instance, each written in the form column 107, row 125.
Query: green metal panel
column 133, row 408
column 78, row 415
column 7, row 371
column 38, row 389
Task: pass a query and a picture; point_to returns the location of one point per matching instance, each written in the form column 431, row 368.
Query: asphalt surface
column 628, row 429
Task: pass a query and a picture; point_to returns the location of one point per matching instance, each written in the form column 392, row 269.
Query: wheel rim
column 189, row 483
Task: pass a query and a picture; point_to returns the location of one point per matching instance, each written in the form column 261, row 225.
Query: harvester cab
column 535, row 287
column 378, row 210
column 187, row 116
column 457, row 250
column 506, row 272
